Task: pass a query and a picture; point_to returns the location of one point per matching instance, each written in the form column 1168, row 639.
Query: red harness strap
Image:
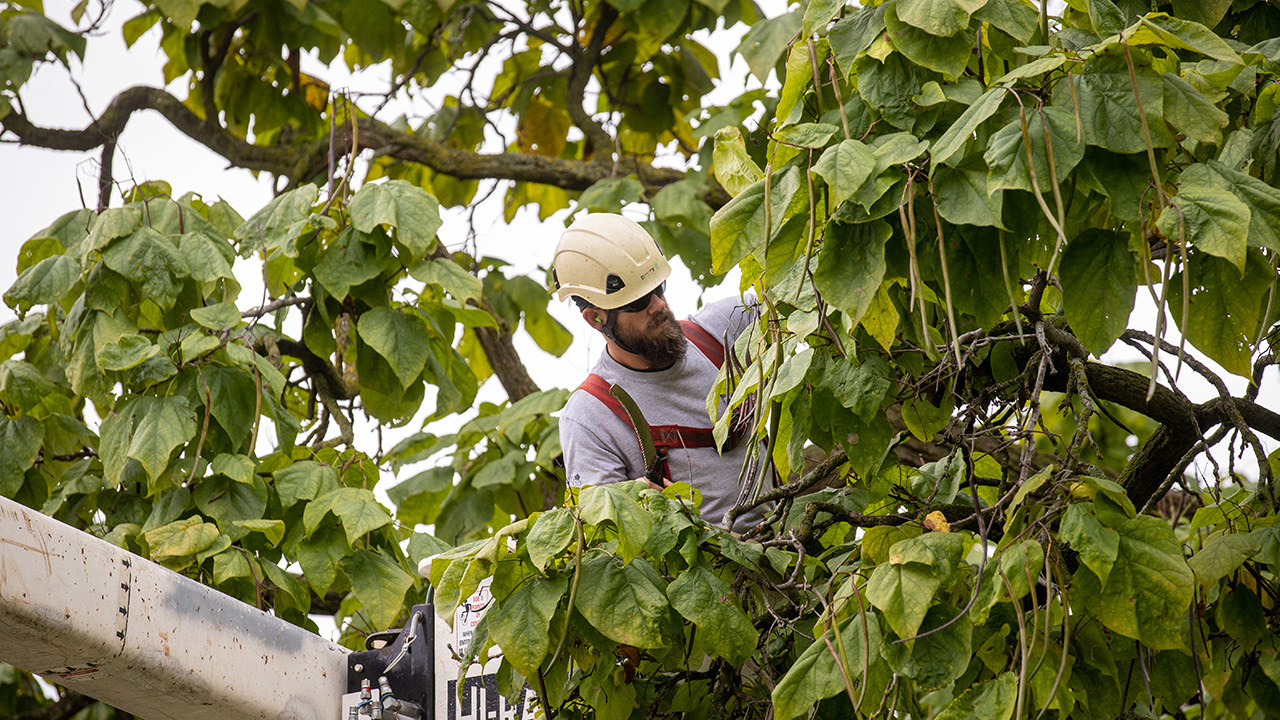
column 704, row 341
column 666, row 436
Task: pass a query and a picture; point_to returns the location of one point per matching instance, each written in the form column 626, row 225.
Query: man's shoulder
column 728, row 316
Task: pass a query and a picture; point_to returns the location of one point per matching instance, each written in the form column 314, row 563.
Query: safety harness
column 670, row 436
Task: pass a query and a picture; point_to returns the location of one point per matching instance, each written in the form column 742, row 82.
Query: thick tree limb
column 302, row 163
column 1182, row 424
column 584, row 64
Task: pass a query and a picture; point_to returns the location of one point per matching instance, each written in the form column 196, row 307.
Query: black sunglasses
column 642, row 302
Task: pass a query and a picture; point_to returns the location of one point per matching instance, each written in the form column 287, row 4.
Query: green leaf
column 319, row 557
column 1099, row 283
column 708, row 602
column 938, row 17
column 550, row 535
column 734, row 168
column 208, row 259
column 816, row 674
column 1262, row 199
column 34, row 34
column 1221, row 556
column 1006, row 154
column 273, row 530
column 424, row 545
column 1225, row 308
column 152, row 261
column 903, row 587
column 1015, row 17
column 859, row 387
column 738, row 228
column 305, row 480
column 924, row 419
column 1215, row 220
column 349, row 261
column 845, row 167
column 547, row 332
column 112, row 224
column 1174, row 32
column 180, row 12
column 379, row 583
column 795, row 83
column 181, row 538
column 767, row 40
column 1109, row 112
column 627, row 604
column 855, row 33
column 498, row 473
column 610, row 194
column 522, row 622
column 450, row 276
column 1097, row 544
column 1206, row 12
column 401, row 338
column 992, row 700
column 807, row 135
column 1240, row 614
column 1107, row 19
column 1148, row 592
column 357, row 508
column 239, row 468
column 947, row 55
column 940, row 656
column 128, row 352
column 963, row 198
column 21, row 438
column 1188, row 110
column 277, row 226
column 851, row 266
column 962, row 129
column 220, row 316
column 227, row 501
column 44, row 283
column 612, row 502
column 290, row 588
column 819, row 14
column 166, row 425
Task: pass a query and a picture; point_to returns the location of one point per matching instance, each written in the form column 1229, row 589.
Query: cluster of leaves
column 955, row 209
column 627, row 599
column 134, row 311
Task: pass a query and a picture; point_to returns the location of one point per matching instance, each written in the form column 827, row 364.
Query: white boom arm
column 106, row 623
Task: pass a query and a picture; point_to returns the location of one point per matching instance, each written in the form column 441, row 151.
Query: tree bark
column 302, row 163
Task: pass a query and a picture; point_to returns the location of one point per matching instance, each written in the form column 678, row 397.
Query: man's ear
column 594, row 317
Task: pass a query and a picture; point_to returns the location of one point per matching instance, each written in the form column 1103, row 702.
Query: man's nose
column 656, row 303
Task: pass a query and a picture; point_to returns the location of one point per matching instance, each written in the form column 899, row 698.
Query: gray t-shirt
column 599, row 447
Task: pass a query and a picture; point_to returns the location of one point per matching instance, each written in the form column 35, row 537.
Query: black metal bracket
column 413, row 677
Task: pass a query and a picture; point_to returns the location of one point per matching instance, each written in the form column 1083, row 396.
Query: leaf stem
column 946, row 283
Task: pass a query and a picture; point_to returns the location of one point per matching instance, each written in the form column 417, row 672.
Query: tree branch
column 302, row 163
column 584, row 63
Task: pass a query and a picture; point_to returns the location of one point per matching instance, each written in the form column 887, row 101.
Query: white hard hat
column 608, row 261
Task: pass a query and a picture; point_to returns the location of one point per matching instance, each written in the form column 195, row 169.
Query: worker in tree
column 616, row 275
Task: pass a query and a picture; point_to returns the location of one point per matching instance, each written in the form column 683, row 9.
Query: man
column 616, row 275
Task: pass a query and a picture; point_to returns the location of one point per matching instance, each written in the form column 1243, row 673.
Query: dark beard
column 662, row 342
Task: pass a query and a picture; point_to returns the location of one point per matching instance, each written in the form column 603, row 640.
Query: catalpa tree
column 946, row 212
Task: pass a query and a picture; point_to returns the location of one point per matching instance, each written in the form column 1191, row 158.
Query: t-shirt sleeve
column 588, row 458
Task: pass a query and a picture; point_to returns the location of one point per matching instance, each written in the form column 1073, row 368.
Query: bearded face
column 661, row 341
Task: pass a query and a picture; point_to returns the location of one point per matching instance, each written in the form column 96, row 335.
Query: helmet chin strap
column 610, row 320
